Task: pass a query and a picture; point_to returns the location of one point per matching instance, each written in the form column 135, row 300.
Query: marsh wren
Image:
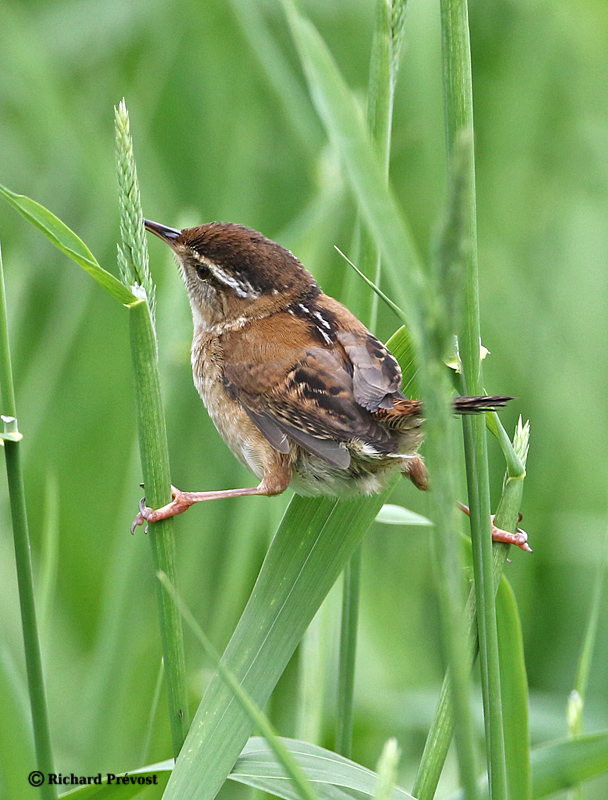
column 301, row 392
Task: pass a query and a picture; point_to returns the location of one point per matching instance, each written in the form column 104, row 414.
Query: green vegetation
column 249, row 112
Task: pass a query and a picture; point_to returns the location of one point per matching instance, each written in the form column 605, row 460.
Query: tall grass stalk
column 384, row 64
column 23, row 559
column 458, row 100
column 440, row 734
column 154, row 452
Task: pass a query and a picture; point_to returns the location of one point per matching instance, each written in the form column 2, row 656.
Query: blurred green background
column 223, row 129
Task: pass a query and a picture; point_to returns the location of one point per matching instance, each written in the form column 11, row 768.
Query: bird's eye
column 203, row 271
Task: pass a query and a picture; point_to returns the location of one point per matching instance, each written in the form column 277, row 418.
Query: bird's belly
column 311, row 476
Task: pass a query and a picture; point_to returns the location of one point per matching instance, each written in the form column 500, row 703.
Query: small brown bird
column 302, row 393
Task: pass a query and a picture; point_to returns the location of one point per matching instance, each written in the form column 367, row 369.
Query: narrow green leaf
column 393, row 306
column 349, row 628
column 588, row 646
column 514, row 684
column 334, row 776
column 66, row 240
column 344, row 122
column 391, row 514
column 293, row 771
column 308, row 552
column 562, row 765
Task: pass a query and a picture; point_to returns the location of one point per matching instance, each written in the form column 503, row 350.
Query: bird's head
column 233, row 272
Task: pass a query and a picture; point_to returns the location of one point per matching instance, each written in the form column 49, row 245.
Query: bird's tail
column 474, row 405
column 407, row 414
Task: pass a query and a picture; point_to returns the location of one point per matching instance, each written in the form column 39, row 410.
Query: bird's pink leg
column 270, row 485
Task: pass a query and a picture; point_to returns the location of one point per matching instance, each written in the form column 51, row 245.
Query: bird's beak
column 168, row 235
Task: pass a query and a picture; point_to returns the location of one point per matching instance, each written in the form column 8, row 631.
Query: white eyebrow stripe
column 241, row 287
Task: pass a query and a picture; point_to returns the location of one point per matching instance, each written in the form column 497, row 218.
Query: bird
column 300, row 390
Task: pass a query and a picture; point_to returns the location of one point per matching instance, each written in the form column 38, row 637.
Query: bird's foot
column 178, row 505
column 519, row 538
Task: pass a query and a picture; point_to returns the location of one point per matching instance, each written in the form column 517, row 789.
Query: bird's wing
column 302, row 393
column 376, row 373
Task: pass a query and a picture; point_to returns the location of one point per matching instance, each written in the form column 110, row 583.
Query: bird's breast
column 228, row 416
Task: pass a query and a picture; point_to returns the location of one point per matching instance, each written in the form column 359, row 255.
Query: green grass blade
column 308, row 552
column 292, row 769
column 342, row 119
column 384, row 64
column 562, row 765
column 514, row 684
column 334, row 776
column 66, row 240
column 565, row 764
column 398, row 515
column 279, row 72
column 588, row 645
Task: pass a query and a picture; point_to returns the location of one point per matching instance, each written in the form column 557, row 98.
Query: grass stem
column 440, row 734
column 23, row 558
column 458, row 101
column 154, row 451
column 384, row 64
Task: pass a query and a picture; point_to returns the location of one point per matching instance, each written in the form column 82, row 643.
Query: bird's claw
column 143, row 516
